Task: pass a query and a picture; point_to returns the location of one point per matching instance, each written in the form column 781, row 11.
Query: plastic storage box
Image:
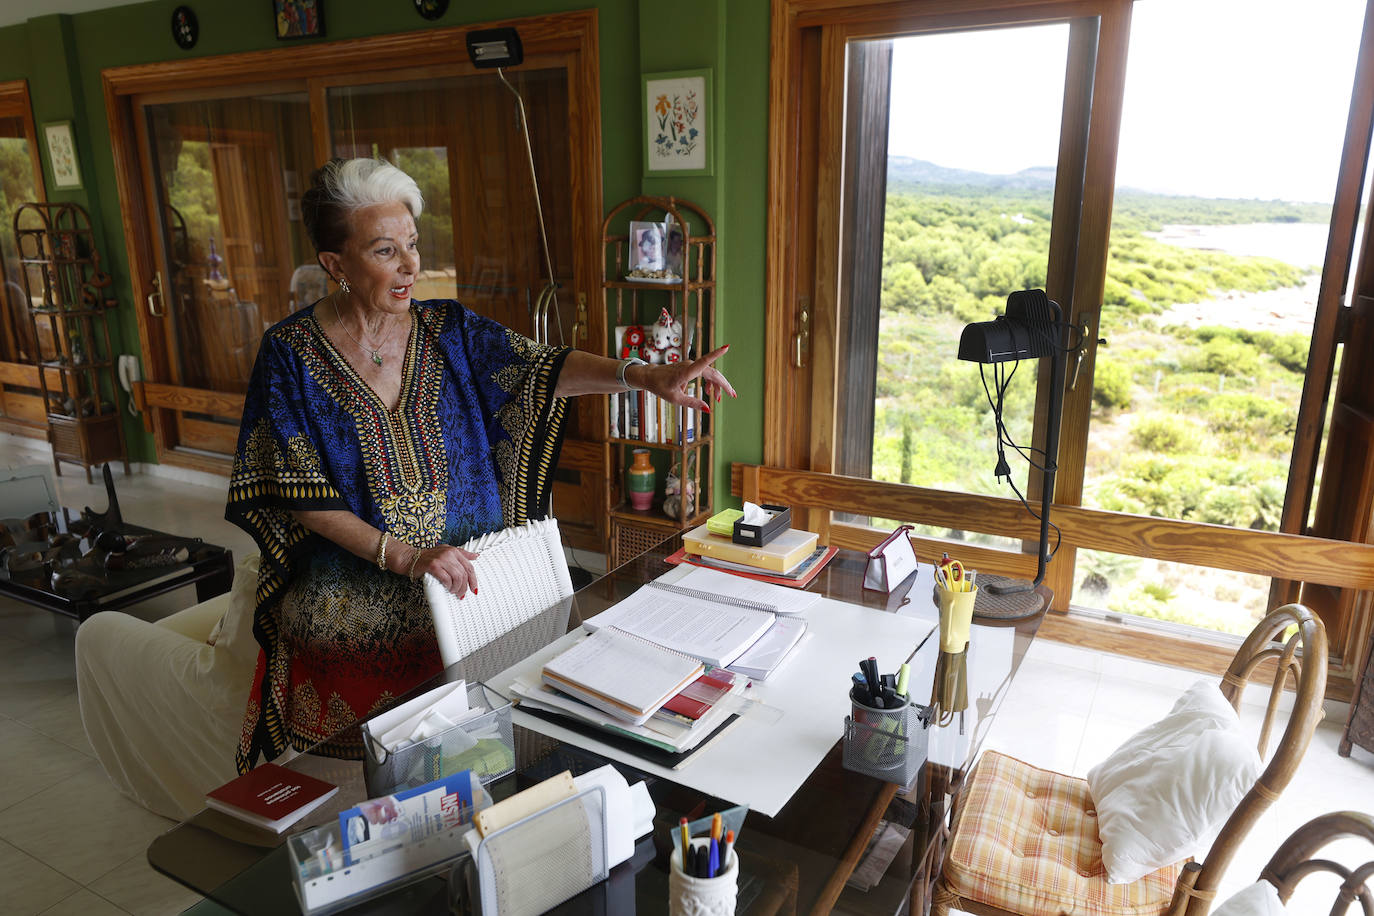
column 484, row 744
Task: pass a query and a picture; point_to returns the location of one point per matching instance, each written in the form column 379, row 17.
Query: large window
column 1189, row 202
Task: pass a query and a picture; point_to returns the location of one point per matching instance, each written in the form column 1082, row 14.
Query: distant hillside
column 903, row 170
column 1140, row 210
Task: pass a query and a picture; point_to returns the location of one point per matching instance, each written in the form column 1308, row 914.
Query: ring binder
column 715, row 598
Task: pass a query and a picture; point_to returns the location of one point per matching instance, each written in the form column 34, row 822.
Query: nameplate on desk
column 891, row 561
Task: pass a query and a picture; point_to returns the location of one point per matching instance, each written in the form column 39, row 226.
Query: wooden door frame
column 796, row 92
column 568, row 37
column 15, row 103
column 798, row 143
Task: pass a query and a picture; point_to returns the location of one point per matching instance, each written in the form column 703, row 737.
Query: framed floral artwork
column 677, row 123
column 66, row 173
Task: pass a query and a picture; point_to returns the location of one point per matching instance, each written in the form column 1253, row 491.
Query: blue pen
column 714, row 865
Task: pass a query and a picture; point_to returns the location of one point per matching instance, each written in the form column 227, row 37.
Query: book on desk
column 634, row 671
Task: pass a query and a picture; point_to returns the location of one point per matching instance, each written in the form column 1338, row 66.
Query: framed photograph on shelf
column 66, row 173
column 677, row 123
column 298, row 18
column 646, row 247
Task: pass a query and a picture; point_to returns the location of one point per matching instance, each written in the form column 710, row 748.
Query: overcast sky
column 1224, row 98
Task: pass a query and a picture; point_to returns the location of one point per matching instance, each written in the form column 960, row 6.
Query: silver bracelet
column 625, row 364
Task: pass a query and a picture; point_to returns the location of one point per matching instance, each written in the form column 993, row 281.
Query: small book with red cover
column 697, row 699
column 271, row 796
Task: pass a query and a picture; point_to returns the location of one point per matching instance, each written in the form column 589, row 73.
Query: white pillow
column 234, row 632
column 1259, row 899
column 1170, row 783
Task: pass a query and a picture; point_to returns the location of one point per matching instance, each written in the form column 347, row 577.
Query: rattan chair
column 1060, row 871
column 1294, row 860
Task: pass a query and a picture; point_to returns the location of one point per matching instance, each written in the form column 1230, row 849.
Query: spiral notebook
column 713, row 628
column 621, row 674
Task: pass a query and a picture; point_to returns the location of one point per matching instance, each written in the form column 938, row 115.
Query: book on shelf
column 270, row 796
column 621, row 673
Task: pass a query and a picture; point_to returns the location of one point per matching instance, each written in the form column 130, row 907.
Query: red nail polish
column 474, row 589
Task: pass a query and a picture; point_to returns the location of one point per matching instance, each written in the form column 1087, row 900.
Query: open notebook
column 621, row 674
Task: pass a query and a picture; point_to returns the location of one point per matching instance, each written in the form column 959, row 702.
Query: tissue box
column 758, row 535
column 483, row 744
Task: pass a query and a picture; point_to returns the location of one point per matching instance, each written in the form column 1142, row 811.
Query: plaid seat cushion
column 1026, row 840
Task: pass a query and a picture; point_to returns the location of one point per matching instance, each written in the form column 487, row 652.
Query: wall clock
column 185, row 27
column 431, row 9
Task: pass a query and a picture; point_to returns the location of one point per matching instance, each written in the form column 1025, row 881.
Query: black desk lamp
column 498, row 48
column 1031, row 329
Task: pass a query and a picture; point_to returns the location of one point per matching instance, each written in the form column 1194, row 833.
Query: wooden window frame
column 567, row 40
column 15, row 103
column 806, row 110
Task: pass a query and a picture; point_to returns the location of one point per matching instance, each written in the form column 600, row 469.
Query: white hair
column 361, row 183
column 342, row 186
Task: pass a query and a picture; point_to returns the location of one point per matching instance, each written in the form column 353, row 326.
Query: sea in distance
column 1288, row 309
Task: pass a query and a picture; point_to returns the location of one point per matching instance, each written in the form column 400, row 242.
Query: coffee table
column 209, row 568
column 799, row 860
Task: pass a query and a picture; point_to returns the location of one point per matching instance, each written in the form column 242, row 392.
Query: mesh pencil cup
column 889, row 744
column 688, row 896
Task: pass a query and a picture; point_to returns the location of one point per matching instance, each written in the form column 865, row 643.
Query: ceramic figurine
column 665, row 339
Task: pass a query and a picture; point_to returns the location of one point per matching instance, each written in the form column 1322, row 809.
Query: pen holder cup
column 484, row 744
column 688, row 896
column 888, row 744
column 956, row 617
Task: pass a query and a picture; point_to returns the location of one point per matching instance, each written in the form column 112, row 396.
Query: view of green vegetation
column 191, row 195
column 1188, row 422
column 16, row 187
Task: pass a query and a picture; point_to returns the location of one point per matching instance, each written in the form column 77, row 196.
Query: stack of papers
column 626, row 677
column 659, row 730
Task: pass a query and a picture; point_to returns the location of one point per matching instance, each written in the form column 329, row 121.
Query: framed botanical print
column 677, row 123
column 66, row 173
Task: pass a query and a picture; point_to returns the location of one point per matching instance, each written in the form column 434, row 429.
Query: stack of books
column 791, row 558
column 664, row 667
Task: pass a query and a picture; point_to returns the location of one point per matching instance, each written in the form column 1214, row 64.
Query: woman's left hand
column 670, row 381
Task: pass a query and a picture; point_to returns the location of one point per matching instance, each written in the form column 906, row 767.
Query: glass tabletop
column 813, row 855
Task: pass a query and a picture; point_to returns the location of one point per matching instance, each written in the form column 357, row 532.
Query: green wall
column 62, row 57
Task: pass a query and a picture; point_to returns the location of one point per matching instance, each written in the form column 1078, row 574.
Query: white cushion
column 234, row 631
column 1259, row 899
column 1170, row 783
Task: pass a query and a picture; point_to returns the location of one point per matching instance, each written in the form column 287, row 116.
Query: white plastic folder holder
column 542, row 860
column 521, row 572
column 327, row 881
column 482, row 743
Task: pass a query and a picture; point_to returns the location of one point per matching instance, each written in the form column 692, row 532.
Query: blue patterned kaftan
column 469, row 448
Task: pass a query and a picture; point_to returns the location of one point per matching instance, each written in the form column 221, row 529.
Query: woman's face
column 381, row 257
column 649, row 247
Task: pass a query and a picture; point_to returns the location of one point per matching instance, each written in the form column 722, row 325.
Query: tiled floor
column 69, row 844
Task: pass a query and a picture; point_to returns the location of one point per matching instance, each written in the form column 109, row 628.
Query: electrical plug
column 1003, row 470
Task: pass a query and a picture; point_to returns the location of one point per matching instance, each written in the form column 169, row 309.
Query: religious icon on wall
column 298, row 18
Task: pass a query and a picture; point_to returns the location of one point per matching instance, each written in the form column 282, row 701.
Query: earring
column 343, row 285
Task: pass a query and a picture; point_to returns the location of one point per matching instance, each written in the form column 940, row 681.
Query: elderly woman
column 377, row 433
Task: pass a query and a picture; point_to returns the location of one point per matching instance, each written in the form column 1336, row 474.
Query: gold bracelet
column 381, row 551
column 410, row 570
